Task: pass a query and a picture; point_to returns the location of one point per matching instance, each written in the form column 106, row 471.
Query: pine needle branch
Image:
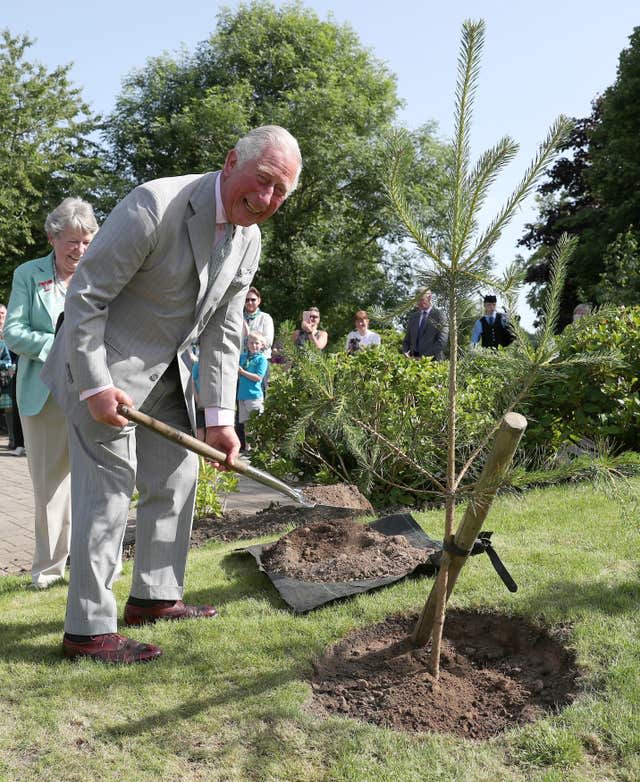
column 557, row 135
column 490, row 164
column 468, row 72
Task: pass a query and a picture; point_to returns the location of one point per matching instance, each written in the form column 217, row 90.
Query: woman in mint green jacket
column 35, row 304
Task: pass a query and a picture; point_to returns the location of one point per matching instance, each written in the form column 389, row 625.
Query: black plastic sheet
column 303, row 596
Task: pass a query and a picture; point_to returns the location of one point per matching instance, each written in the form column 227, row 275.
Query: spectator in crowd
column 171, row 265
column 257, row 320
column 310, row 332
column 253, row 366
column 5, row 356
column 8, row 369
column 361, row 337
column 261, row 322
column 427, row 331
column 195, row 377
column 6, row 376
column 37, row 300
column 580, row 310
column 16, row 437
column 492, row 330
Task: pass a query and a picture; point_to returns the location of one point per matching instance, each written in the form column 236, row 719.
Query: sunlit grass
column 227, row 699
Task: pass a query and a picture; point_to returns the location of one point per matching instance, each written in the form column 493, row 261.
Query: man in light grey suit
column 171, row 264
column 427, row 331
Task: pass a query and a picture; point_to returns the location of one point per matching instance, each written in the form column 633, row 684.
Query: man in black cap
column 492, row 329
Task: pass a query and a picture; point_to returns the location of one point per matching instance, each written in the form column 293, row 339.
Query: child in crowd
column 195, row 376
column 253, row 366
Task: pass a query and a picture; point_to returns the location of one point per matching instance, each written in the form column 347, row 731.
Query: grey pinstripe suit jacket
column 147, row 287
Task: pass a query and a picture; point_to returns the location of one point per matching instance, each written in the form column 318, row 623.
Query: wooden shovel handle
column 185, row 440
column 202, row 449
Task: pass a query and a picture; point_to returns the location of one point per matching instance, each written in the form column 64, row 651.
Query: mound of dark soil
column 338, row 495
column 334, row 501
column 341, row 550
column 497, row 672
column 271, row 521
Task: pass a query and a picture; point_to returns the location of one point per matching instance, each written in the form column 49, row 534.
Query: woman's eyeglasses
column 251, row 300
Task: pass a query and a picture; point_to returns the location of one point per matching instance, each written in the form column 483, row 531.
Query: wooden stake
column 495, row 468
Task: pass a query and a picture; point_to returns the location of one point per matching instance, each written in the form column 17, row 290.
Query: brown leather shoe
column 110, row 648
column 141, row 615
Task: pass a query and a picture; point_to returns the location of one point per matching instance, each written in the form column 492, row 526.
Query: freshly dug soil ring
column 497, row 672
column 341, row 550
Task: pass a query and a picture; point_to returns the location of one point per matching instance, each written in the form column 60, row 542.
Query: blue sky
column 541, row 59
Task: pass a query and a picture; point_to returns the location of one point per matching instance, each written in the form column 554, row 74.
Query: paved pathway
column 16, row 509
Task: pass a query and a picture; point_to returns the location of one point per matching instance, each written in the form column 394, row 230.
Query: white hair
column 250, row 146
column 71, row 213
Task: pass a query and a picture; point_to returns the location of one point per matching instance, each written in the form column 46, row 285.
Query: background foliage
column 335, row 244
column 320, row 417
column 45, row 151
column 594, row 192
column 600, row 401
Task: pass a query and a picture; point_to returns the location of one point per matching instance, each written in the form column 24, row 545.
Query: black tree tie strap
column 451, row 548
column 482, row 544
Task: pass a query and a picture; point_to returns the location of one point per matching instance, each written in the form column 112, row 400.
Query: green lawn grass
column 227, row 699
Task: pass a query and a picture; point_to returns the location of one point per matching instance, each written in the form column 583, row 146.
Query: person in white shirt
column 257, row 320
column 492, row 330
column 362, row 337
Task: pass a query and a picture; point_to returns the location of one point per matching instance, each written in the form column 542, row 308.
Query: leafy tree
column 620, row 278
column 594, row 194
column 46, row 153
column 565, row 204
column 335, row 243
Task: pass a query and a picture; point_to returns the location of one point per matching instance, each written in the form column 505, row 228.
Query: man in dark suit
column 427, row 331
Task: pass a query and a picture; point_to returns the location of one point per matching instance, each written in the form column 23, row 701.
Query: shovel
column 202, row 449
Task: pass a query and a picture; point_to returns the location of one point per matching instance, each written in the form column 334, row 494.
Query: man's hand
column 224, row 438
column 103, row 406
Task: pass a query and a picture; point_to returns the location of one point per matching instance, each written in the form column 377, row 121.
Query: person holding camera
column 361, row 337
column 310, row 332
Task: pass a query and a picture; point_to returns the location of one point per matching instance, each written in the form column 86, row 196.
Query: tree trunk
column 441, row 585
column 498, row 462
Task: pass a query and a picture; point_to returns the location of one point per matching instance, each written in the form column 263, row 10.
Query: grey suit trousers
column 112, row 462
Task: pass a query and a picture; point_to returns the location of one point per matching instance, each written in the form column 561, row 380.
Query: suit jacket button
column 153, row 377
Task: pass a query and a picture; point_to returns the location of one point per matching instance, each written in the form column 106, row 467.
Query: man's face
column 69, row 246
column 362, row 324
column 490, row 307
column 252, row 302
column 425, row 301
column 254, row 190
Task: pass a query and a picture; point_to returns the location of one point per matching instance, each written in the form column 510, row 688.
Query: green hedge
column 599, row 402
column 402, row 399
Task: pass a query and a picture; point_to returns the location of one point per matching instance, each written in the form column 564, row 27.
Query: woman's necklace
column 59, row 285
